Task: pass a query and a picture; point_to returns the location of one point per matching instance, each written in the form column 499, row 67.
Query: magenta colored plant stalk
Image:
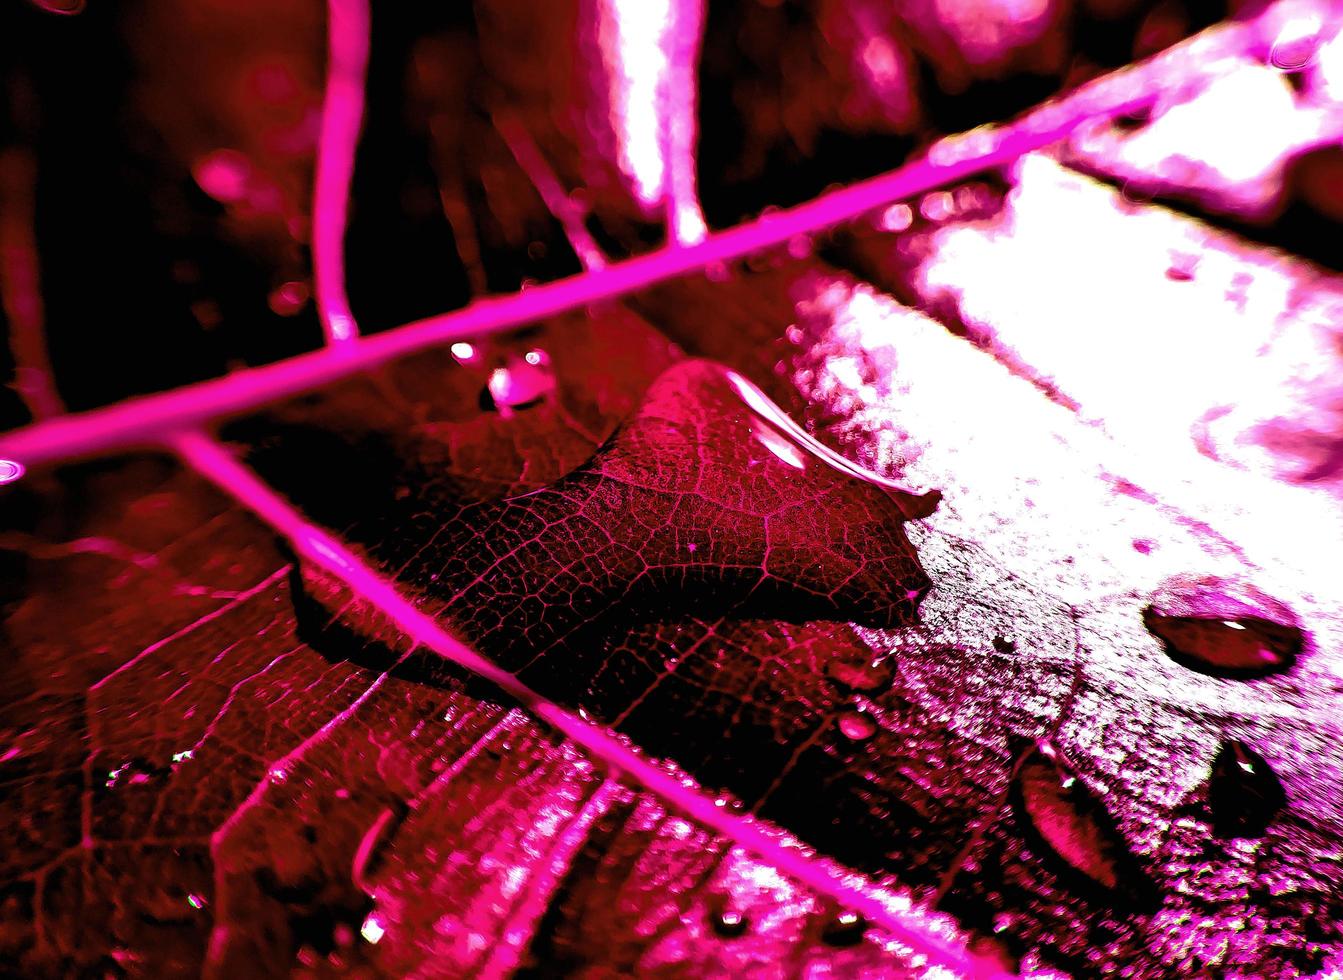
column 529, row 157
column 142, row 420
column 342, row 114
column 21, row 287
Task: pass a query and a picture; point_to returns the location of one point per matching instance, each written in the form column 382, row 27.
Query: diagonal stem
column 143, row 420
column 911, row 926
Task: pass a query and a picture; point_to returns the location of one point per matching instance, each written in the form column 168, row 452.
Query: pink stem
column 21, row 286
column 143, row 420
column 214, row 462
column 547, row 184
column 342, row 114
column 685, row 220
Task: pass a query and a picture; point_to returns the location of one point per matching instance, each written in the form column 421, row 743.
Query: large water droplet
column 1209, row 628
column 857, row 726
column 1244, row 794
column 1071, row 821
column 522, row 382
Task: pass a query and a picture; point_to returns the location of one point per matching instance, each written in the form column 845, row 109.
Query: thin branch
column 342, row 114
column 852, row 891
column 533, row 163
column 21, row 285
column 144, row 420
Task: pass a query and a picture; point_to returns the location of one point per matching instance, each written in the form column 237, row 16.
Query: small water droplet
column 779, row 445
column 225, row 175
column 463, row 351
column 288, row 298
column 729, row 923
column 1071, row 821
column 856, row 725
column 522, row 382
column 897, row 217
column 871, row 676
column 372, row 930
column 1244, row 793
column 1004, row 645
column 63, row 7
column 10, row 471
column 845, row 929
column 1208, row 629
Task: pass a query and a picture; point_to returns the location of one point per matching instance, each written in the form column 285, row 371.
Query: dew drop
column 1071, row 821
column 779, row 446
column 857, row 726
column 872, row 676
column 729, row 923
column 1244, row 793
column 288, row 298
column 897, row 217
column 845, row 929
column 522, row 382
column 1296, row 44
column 1208, row 629
column 224, row 174
column 63, row 7
column 10, row 471
column 372, row 930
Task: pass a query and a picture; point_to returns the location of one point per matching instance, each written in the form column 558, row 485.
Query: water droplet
column 463, row 351
column 937, row 206
column 1071, row 821
column 729, row 923
column 871, row 676
column 1296, row 43
column 63, row 7
column 288, row 298
column 372, row 930
column 1004, row 645
column 1244, row 793
column 10, row 471
column 522, row 382
column 845, row 929
column 779, row 446
column 224, row 174
column 856, row 725
column 1209, row 629
column 897, row 217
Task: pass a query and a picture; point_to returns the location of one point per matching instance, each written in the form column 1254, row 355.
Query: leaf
column 226, row 795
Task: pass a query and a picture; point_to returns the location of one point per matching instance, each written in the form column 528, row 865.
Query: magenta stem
column 533, row 163
column 342, row 115
column 144, row 420
column 213, row 461
column 21, row 285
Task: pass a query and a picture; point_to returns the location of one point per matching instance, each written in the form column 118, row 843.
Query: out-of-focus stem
column 21, row 286
column 342, row 114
